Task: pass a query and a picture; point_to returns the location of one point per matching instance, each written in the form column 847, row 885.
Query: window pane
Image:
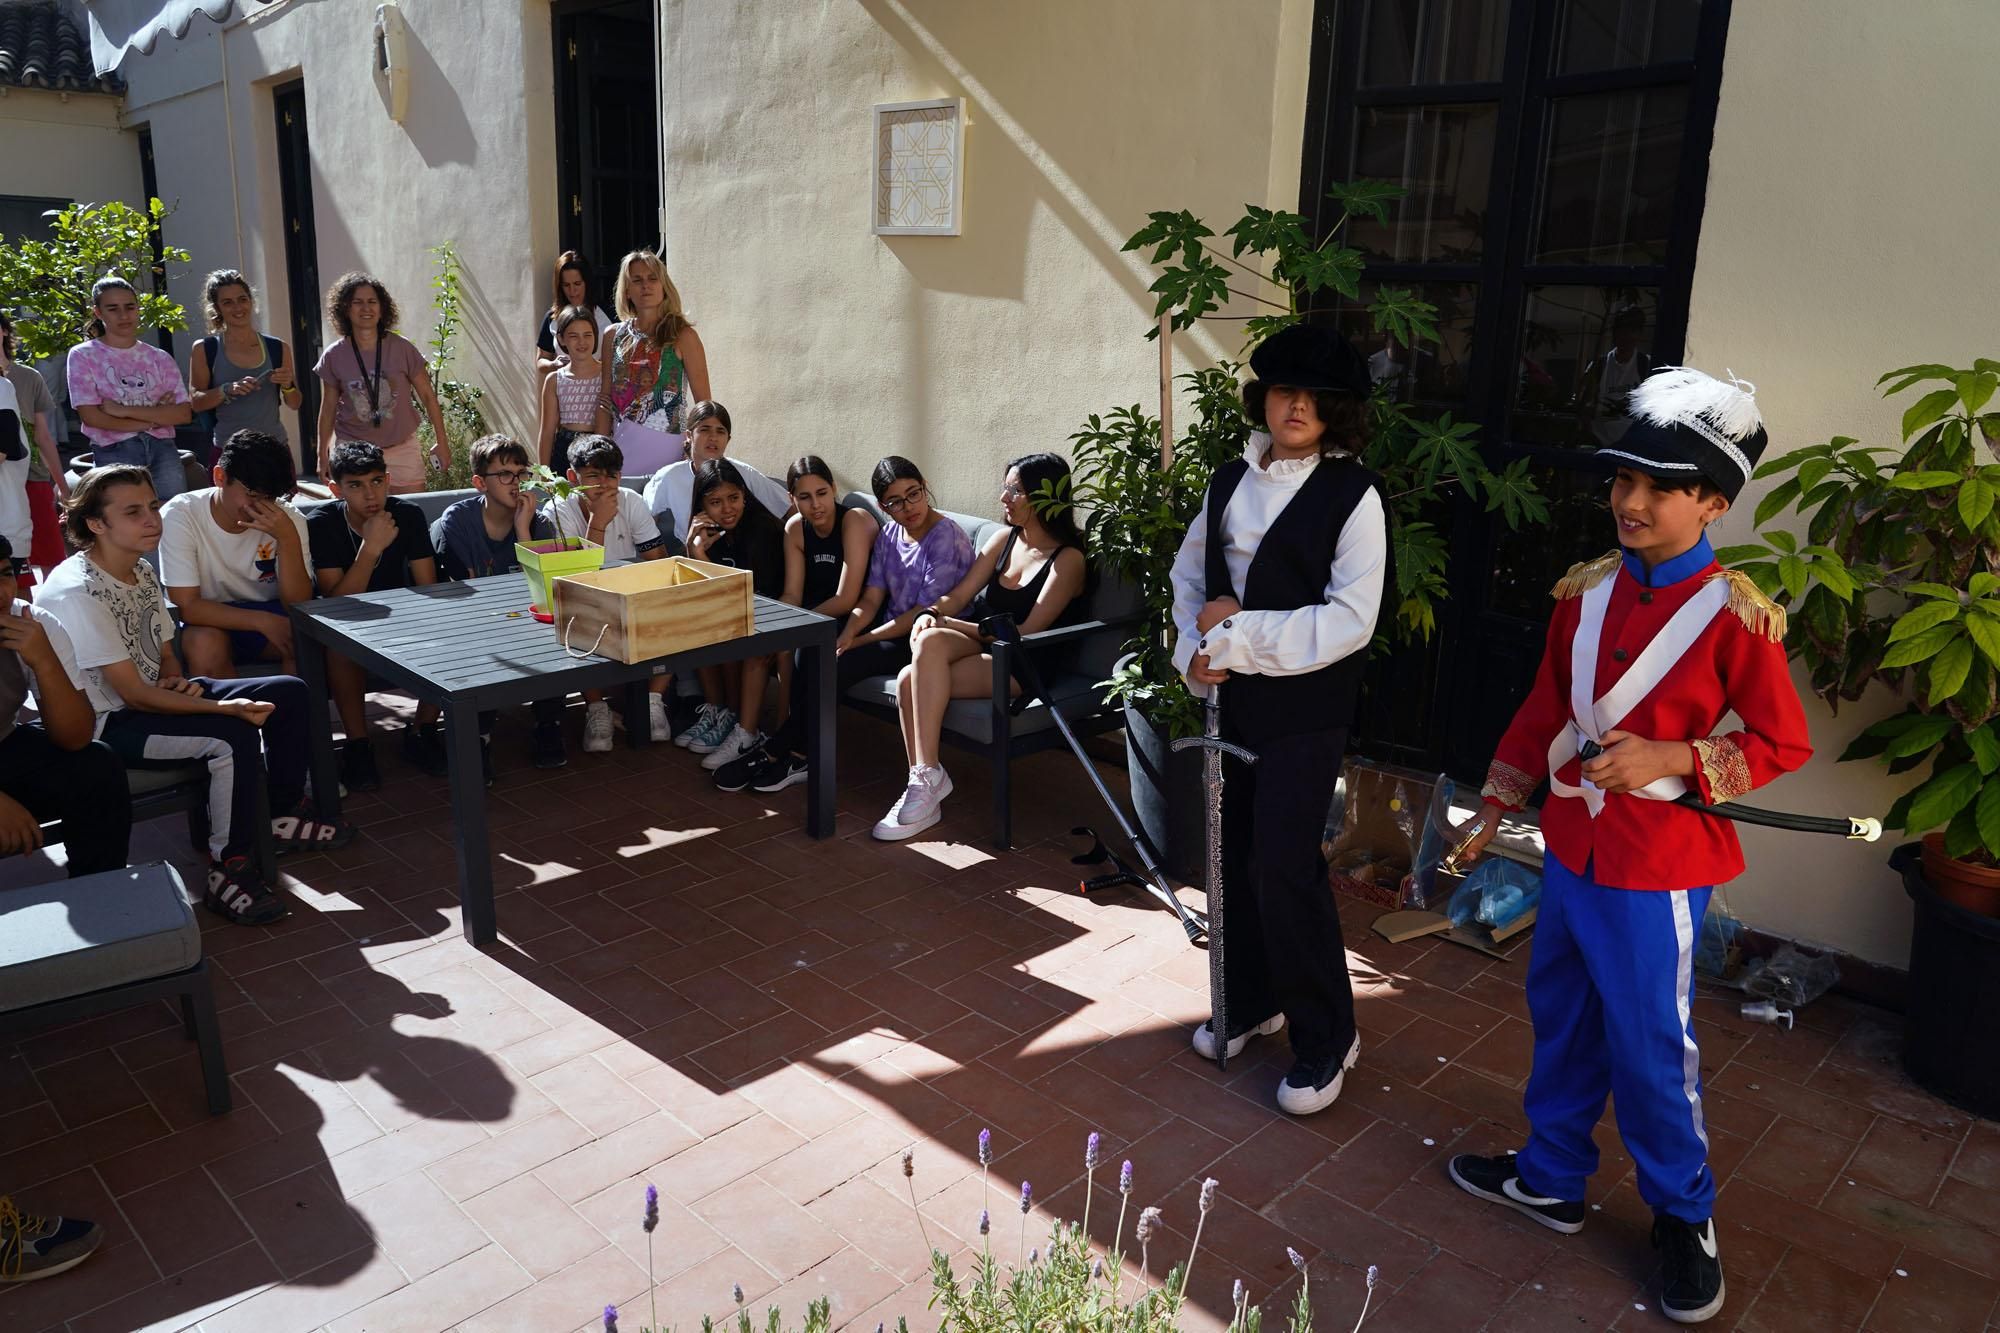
column 1622, row 34
column 1433, row 374
column 1433, row 41
column 1582, row 350
column 1527, row 561
column 1613, row 163
column 1443, row 155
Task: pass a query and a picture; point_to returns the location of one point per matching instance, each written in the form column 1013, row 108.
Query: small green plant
column 1897, row 581
column 47, row 283
column 546, row 481
column 464, row 420
column 1140, row 511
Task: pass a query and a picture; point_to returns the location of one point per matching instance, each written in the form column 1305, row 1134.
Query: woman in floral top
column 654, row 365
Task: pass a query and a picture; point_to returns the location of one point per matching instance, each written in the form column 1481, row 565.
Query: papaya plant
column 1890, row 568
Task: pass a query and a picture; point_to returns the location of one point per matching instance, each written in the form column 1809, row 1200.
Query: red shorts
column 47, row 550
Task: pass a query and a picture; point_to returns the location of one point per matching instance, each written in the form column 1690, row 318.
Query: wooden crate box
column 653, row 608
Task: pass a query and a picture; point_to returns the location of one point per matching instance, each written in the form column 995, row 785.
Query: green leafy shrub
column 1897, row 581
column 47, row 283
column 459, row 400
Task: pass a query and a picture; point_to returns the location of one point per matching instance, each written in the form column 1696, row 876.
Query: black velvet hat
column 1306, row 356
column 1687, row 425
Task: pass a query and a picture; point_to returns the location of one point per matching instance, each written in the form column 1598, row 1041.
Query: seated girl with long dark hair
column 1031, row 570
column 731, row 528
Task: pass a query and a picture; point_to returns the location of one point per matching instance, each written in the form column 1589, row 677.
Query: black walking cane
column 1002, row 629
column 1213, row 749
column 1862, row 829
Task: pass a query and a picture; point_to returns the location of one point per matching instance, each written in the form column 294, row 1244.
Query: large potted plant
column 1141, row 497
column 1896, row 581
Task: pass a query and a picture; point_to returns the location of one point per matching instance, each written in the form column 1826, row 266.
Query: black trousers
column 1283, row 951
column 85, row 789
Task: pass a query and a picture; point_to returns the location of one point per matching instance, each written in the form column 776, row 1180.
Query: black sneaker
column 547, row 749
column 237, row 893
column 357, row 766
column 32, row 1246
column 423, row 747
column 304, row 831
column 1314, row 1084
column 1691, row 1269
column 1496, row 1180
column 736, row 774
column 781, row 772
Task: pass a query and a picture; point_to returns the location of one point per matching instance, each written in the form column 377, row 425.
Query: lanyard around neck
column 375, row 383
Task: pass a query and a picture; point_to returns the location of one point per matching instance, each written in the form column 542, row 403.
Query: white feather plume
column 1683, row 395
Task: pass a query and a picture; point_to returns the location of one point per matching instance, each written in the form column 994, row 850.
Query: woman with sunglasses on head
column 1031, row 572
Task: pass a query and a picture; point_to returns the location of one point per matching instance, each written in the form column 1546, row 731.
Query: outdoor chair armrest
column 1084, row 630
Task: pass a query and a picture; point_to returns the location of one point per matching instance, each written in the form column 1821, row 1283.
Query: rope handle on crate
column 588, row 652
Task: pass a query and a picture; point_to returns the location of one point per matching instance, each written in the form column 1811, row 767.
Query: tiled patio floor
column 691, row 993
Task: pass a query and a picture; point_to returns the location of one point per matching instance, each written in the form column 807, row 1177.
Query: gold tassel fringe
column 1758, row 613
column 1584, row 576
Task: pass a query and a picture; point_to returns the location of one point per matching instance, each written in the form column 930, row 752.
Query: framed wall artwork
column 920, row 167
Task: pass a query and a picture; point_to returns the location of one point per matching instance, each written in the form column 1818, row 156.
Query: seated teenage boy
column 368, row 540
column 233, row 557
column 605, row 513
column 53, row 768
column 475, row 538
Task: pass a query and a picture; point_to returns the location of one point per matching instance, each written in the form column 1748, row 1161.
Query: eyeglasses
column 1012, row 492
column 512, row 476
column 896, row 505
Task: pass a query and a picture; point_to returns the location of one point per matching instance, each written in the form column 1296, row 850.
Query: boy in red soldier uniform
column 1649, row 648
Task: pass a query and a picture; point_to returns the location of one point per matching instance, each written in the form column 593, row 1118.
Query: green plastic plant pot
column 546, row 560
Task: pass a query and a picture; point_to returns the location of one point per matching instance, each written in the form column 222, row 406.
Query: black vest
column 1289, row 571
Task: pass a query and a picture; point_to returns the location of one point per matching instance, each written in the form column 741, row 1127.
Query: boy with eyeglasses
column 475, row 538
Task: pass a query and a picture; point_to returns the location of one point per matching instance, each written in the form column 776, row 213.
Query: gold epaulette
column 1585, row 575
column 1759, row 614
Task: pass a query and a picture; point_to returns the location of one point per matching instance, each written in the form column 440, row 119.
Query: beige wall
column 957, row 351
column 1849, row 194
column 472, row 162
column 67, row 147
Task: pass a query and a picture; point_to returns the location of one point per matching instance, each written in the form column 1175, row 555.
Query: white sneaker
column 1204, row 1037
column 1303, row 1090
column 735, row 745
column 597, row 728
column 663, row 730
column 917, row 808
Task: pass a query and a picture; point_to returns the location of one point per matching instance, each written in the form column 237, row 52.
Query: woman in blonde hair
column 239, row 374
column 654, row 365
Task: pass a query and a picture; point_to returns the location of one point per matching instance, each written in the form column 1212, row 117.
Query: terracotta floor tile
column 30, row 1165
column 417, row 1225
column 184, row 1300
column 882, row 1225
column 1922, row 1229
column 1903, row 1160
column 1978, row 1161
column 183, row 1221
column 592, row 1095
column 1447, row 1290
column 303, row 1223
column 850, row 1281
column 1796, row 1159
column 1377, row 1162
column 543, row 1234
column 838, row 1155
column 602, row 1278
column 1809, row 1292
column 439, row 1300
column 523, row 1148
column 93, row 1086
column 1929, row 1294
column 728, row 1156
column 762, row 1223
column 1566, row 1294
column 1495, row 1238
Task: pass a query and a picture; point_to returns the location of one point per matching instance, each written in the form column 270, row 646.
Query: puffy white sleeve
column 769, row 491
column 1291, row 643
column 1190, row 579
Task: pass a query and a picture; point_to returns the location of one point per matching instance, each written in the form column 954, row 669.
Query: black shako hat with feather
column 1688, row 425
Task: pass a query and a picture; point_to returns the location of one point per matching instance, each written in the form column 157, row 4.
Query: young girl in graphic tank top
column 573, row 401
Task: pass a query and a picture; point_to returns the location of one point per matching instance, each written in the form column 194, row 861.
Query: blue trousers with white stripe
column 1610, row 986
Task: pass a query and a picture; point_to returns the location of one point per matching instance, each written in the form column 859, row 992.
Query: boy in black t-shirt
column 367, row 541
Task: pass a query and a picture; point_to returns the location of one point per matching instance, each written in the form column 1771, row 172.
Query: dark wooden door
column 608, row 128
column 302, row 283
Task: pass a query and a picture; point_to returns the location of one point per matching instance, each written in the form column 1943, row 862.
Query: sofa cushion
column 73, row 936
column 147, row 781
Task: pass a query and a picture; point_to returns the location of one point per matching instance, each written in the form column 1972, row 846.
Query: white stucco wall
column 959, row 352
column 472, row 162
column 70, row 146
column 1848, row 196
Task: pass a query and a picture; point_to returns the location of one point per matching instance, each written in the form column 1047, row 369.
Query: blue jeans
column 157, row 456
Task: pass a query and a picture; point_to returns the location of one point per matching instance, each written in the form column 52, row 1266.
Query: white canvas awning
column 118, row 27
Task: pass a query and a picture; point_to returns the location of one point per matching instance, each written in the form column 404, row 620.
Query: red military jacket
column 1735, row 662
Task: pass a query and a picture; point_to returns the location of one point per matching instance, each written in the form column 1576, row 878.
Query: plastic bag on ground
column 1496, row 894
column 1791, row 977
column 1716, row 952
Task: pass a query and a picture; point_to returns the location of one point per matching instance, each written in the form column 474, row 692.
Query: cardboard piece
column 1502, row 943
column 1396, row 927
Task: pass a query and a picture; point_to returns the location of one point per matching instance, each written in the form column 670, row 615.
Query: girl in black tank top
column 824, row 559
column 949, row 658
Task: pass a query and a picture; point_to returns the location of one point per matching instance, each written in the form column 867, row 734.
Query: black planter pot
column 1167, row 798
column 1952, row 1012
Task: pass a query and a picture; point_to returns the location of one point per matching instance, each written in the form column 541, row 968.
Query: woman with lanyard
column 654, row 365
column 370, row 374
column 239, row 374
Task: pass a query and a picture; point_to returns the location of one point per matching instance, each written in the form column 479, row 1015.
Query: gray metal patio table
column 471, row 646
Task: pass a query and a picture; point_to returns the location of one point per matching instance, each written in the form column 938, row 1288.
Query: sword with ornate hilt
column 1863, row 828
column 1213, row 748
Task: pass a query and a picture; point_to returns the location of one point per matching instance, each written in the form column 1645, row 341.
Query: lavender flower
column 1208, row 1194
column 1298, row 1260
column 1125, row 1178
column 1373, row 1273
column 1027, row 1196
column 1149, row 1222
column 610, row 1319
column 985, row 1222
column 1034, row 1256
column 1097, row 1269
column 1236, row 1294
column 985, row 1147
column 909, row 1162
column 1090, row 1150
column 652, row 1218
column 737, row 1292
